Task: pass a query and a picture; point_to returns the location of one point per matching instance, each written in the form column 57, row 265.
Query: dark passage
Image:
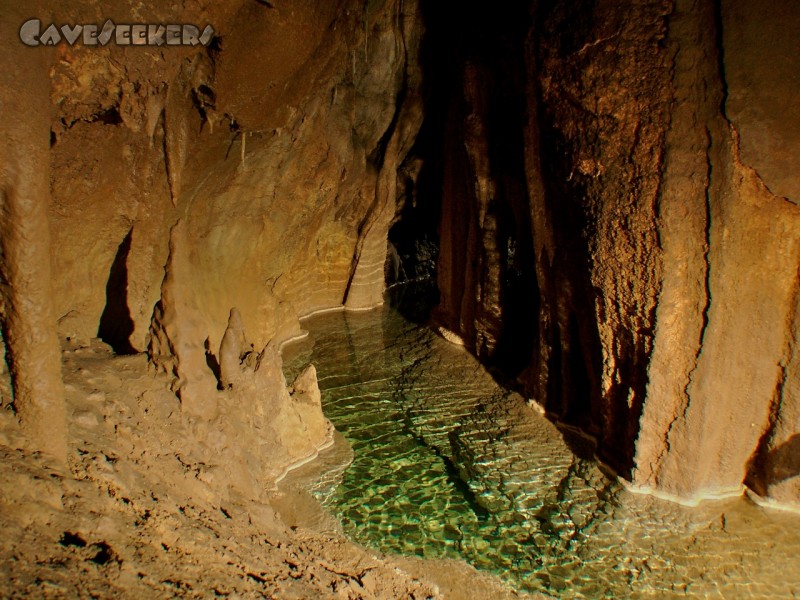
column 450, row 238
column 116, row 324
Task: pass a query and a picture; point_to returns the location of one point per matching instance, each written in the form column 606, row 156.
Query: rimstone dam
column 377, row 299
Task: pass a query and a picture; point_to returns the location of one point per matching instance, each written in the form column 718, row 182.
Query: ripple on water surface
column 448, row 464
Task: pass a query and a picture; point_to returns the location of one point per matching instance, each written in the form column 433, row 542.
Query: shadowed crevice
column 116, row 324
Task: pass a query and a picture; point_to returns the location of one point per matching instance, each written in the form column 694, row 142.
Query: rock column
column 26, row 310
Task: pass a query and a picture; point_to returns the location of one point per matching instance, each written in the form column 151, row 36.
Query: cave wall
column 725, row 402
column 761, row 75
column 615, row 185
column 658, row 140
column 272, row 149
column 200, row 200
column 296, row 219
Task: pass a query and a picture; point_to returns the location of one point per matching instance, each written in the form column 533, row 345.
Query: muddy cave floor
column 134, row 515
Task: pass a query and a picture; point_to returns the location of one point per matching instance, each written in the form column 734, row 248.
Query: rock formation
column 26, row 309
column 631, row 247
column 201, row 199
column 609, row 192
column 189, row 180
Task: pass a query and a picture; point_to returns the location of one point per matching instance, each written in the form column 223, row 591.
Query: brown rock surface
column 26, row 310
column 733, row 393
column 182, row 186
column 659, row 219
column 258, row 174
column 250, row 174
column 761, row 81
column 616, row 186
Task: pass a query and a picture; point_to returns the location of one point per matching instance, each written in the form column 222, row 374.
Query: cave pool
column 448, row 464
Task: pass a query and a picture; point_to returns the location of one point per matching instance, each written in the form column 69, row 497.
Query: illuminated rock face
column 259, row 172
column 199, row 190
column 654, row 240
column 29, row 347
column 695, row 283
column 615, row 188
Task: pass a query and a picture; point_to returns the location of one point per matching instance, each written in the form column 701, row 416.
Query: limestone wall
column 183, row 185
column 661, row 217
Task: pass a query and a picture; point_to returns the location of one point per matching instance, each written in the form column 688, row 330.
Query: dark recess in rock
column 116, row 324
column 473, row 76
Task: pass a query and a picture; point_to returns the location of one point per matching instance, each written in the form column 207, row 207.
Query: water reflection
column 448, row 464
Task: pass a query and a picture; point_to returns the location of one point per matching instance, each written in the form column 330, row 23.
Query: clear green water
column 448, row 464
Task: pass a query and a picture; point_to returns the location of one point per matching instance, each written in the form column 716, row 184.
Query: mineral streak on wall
column 616, row 187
